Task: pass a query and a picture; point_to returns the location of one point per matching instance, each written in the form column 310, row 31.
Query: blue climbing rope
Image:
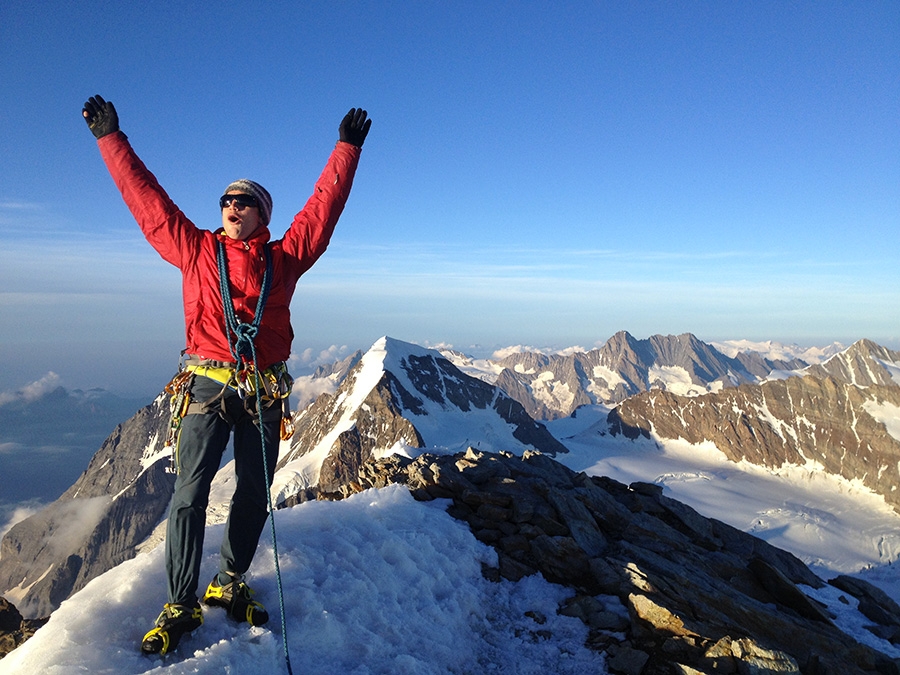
column 243, row 348
column 242, row 344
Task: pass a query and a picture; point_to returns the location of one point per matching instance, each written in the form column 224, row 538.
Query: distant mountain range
column 841, row 413
column 550, row 386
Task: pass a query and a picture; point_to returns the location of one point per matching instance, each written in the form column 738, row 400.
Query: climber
column 237, row 288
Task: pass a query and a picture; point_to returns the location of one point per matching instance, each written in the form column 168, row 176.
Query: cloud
column 501, row 354
column 19, row 206
column 73, row 521
column 32, row 392
column 309, row 358
column 308, row 388
column 439, row 346
column 19, row 513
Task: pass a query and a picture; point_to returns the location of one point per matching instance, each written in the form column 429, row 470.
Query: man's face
column 240, row 220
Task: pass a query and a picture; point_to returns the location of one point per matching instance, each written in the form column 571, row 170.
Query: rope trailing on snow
column 243, row 347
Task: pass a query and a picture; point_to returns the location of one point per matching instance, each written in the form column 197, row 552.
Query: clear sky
column 537, row 173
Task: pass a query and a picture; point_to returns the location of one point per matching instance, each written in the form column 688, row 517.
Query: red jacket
column 193, row 251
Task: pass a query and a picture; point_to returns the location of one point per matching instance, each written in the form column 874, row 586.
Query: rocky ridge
column 14, row 629
column 807, row 421
column 663, row 590
column 553, row 386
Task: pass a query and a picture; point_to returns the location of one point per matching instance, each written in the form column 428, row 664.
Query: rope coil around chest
column 243, row 348
column 241, row 335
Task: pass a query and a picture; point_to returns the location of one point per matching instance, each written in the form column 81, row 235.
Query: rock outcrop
column 663, row 589
column 800, row 420
column 14, row 629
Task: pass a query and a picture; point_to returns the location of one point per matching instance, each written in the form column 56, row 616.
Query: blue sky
column 537, row 173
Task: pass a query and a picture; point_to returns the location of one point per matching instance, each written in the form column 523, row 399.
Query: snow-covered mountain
column 400, row 396
column 550, row 386
column 842, row 416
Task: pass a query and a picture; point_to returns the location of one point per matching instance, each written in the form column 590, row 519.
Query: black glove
column 354, row 127
column 101, row 116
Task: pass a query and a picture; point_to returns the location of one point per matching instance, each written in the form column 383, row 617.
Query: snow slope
column 377, row 583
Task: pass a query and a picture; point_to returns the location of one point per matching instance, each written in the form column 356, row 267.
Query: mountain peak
column 864, row 364
column 401, row 398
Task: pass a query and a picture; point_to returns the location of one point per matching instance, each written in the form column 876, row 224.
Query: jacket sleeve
column 309, row 233
column 164, row 225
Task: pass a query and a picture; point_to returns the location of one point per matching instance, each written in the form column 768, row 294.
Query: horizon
column 539, row 176
column 305, row 363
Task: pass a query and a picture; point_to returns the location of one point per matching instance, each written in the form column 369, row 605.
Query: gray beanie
column 263, row 198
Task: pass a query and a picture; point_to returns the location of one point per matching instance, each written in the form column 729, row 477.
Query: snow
column 377, row 583
column 776, row 351
column 546, row 389
column 893, row 367
column 886, row 413
column 675, row 379
column 611, row 377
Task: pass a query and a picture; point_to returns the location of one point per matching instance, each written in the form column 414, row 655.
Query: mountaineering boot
column 235, row 597
column 174, row 621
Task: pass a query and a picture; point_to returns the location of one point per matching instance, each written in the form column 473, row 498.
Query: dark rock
column 696, row 604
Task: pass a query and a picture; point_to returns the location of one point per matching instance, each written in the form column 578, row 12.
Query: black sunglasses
column 241, row 200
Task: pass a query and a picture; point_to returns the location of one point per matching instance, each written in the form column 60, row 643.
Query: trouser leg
column 249, row 504
column 201, row 442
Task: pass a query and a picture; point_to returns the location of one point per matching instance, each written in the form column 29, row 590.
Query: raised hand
column 354, row 127
column 101, row 116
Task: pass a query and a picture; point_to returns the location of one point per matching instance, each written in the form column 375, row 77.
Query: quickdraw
column 179, row 402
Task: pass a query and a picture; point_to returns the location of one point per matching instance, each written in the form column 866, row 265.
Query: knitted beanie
column 263, row 198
